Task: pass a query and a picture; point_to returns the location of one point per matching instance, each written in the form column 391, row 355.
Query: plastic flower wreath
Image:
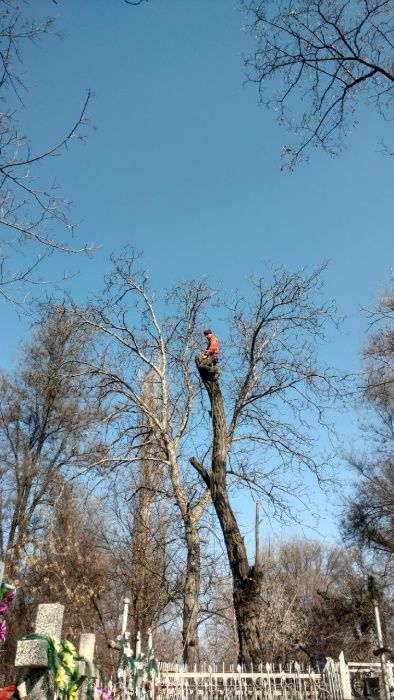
column 63, row 661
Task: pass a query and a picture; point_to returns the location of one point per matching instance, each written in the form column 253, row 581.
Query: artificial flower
column 9, row 597
column 68, row 661
column 101, row 693
column 3, row 631
column 72, row 693
column 56, row 643
column 69, row 648
column 61, row 678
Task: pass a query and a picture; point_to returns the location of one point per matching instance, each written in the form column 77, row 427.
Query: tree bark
column 246, row 578
column 140, row 545
column 191, row 592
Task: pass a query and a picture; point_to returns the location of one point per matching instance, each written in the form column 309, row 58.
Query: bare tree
column 33, row 216
column 147, row 545
column 274, row 390
column 327, row 588
column 369, row 516
column 315, row 59
column 68, row 563
column 143, row 537
column 314, row 603
column 277, row 388
column 49, row 427
column 142, row 356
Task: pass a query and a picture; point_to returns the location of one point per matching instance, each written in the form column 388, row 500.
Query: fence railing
column 260, row 685
column 338, row 680
column 361, row 673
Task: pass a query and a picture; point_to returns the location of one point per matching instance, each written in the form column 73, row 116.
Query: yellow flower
column 56, row 643
column 72, row 693
column 68, row 662
column 70, row 648
column 61, row 678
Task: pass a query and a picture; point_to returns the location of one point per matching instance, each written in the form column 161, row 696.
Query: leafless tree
column 143, row 538
column 314, row 59
column 369, row 517
column 331, row 601
column 49, row 428
column 34, row 218
column 274, row 389
column 68, row 563
column 142, row 369
column 277, row 390
column 313, row 603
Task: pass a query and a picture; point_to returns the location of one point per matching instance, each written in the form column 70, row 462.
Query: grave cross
column 33, row 678
column 7, row 586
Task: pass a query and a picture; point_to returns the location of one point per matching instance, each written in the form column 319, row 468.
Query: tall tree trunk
column 191, row 515
column 191, row 592
column 246, row 579
column 141, row 534
column 145, row 593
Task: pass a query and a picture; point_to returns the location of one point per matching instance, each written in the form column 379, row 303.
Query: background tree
column 49, row 427
column 331, row 600
column 69, row 563
column 369, row 516
column 314, row 603
column 141, row 356
column 314, row 60
column 140, row 542
column 34, row 218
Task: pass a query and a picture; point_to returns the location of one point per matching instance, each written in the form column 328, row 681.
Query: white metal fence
column 360, row 672
column 338, row 680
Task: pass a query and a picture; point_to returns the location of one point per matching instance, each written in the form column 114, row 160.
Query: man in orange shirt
column 209, row 358
column 212, row 345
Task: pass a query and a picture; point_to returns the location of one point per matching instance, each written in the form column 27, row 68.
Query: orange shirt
column 213, row 346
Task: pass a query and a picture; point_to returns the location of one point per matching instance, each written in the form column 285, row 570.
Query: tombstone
column 86, row 667
column 33, row 677
column 7, row 586
column 344, row 674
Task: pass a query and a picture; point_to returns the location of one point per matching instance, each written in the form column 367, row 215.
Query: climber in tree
column 208, row 360
column 212, row 349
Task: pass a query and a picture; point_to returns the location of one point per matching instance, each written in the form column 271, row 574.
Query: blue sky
column 184, row 164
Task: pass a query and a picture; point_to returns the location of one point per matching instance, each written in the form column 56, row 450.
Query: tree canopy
column 34, row 217
column 316, row 59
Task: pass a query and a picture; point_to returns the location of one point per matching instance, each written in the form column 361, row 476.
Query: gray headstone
column 49, row 619
column 31, row 654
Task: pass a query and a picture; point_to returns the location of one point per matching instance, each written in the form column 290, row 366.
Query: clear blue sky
column 185, row 165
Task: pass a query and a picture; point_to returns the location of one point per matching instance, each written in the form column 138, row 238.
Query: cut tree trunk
column 246, row 579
